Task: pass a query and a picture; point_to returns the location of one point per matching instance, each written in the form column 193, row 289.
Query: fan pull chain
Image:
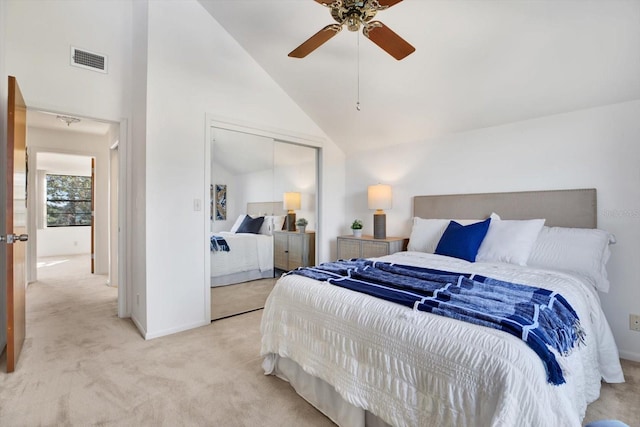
column 358, row 77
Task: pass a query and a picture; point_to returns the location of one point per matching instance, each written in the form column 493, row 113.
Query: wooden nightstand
column 368, row 247
column 292, row 249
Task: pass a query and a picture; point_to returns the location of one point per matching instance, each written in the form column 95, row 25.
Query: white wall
column 39, row 39
column 55, row 241
column 299, row 178
column 114, row 178
column 56, row 141
column 195, row 67
column 256, row 187
column 136, row 190
column 595, row 148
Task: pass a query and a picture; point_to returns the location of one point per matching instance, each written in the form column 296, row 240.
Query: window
column 68, row 200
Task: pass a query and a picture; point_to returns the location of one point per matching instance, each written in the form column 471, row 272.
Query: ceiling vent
column 88, row 60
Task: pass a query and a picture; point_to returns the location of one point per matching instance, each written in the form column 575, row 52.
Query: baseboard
column 142, row 330
column 157, row 334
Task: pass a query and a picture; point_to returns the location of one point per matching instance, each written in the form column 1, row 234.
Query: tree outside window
column 68, row 200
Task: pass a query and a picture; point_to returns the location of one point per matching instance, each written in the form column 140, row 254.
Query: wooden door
column 16, row 222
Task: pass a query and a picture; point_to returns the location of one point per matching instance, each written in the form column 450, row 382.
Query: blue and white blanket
column 218, row 243
column 541, row 318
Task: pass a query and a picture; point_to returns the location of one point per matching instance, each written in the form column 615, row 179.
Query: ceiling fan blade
column 386, row 39
column 315, row 41
column 387, row 3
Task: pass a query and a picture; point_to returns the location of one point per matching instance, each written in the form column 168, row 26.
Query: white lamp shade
column 379, row 196
column 291, row 201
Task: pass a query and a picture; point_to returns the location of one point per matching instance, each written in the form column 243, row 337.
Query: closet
column 250, row 173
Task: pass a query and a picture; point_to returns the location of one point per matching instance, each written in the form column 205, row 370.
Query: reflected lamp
column 291, row 203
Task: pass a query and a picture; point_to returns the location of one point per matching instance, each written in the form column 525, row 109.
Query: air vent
column 88, row 60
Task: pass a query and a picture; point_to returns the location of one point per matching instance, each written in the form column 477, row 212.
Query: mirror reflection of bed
column 243, row 276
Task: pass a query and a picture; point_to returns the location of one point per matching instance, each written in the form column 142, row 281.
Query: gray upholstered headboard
column 265, row 208
column 560, row 208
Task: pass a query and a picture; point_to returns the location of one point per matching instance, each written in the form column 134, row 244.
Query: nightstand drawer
column 368, row 247
column 375, row 249
column 348, row 248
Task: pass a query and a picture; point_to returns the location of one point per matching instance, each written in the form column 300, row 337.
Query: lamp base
column 379, row 226
column 291, row 221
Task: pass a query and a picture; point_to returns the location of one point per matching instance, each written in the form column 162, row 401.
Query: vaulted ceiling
column 478, row 63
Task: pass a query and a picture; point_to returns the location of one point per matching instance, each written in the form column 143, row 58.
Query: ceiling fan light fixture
column 353, row 22
column 356, row 14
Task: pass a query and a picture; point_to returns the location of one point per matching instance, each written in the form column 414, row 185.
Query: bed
column 251, row 255
column 248, row 259
column 365, row 361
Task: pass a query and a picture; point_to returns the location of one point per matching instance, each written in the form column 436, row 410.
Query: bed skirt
column 320, row 394
column 243, row 276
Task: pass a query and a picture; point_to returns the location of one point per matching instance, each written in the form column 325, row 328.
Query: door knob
column 10, row 238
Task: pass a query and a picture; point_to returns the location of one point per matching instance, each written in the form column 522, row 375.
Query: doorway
column 64, row 194
column 55, row 143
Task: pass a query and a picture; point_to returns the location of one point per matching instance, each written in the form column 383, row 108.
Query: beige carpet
column 81, row 365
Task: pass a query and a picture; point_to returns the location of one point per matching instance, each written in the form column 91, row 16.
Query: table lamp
column 291, row 203
column 379, row 198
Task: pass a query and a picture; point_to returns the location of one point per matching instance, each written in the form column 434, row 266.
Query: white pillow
column 278, row 222
column 267, row 226
column 583, row 251
column 237, row 224
column 509, row 241
column 426, row 233
column 272, row 223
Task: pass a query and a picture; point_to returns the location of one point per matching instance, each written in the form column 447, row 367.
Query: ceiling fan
column 355, row 14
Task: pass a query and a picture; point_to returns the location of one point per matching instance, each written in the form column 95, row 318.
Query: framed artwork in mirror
column 220, row 202
column 211, row 202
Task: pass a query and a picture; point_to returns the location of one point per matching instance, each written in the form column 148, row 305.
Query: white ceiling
column 46, row 120
column 257, row 153
column 478, row 63
column 64, row 164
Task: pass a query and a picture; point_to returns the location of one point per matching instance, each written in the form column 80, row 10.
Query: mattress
column 411, row 368
column 250, row 257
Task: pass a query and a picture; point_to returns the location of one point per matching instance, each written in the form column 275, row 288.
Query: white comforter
column 420, row 369
column 248, row 252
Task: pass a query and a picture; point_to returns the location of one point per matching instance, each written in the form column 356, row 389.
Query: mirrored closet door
column 250, row 175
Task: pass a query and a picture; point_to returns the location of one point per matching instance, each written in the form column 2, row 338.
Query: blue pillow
column 463, row 241
column 251, row 225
